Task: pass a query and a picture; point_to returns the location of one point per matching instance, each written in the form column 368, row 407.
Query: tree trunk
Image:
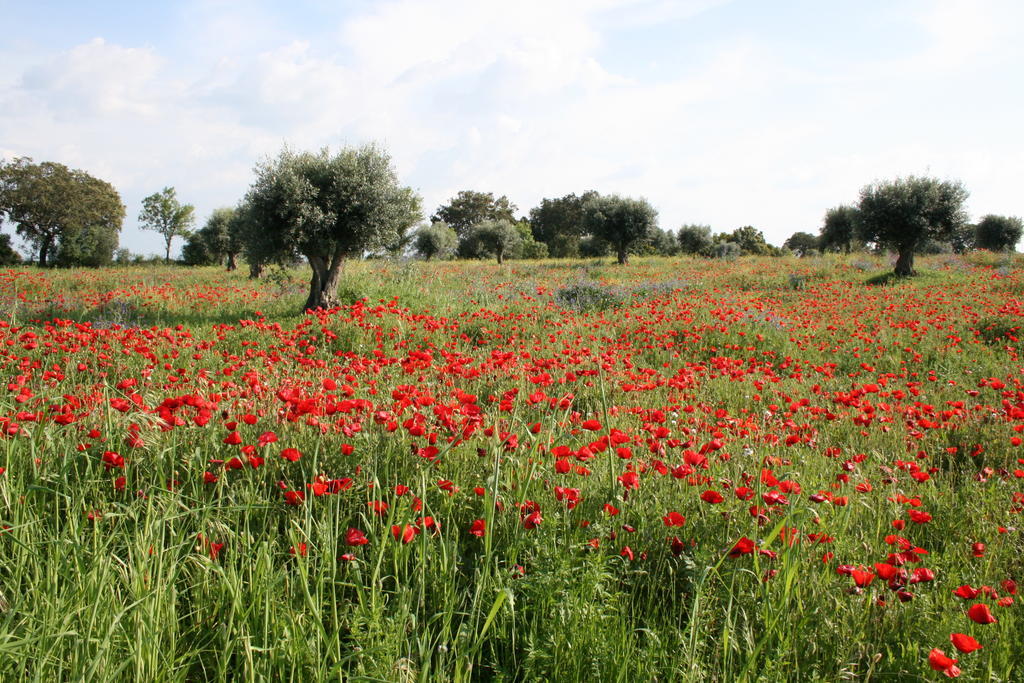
column 231, row 262
column 324, row 282
column 167, row 252
column 501, row 256
column 905, row 262
column 255, row 270
column 623, row 256
column 44, row 249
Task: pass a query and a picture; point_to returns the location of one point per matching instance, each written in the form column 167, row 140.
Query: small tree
column 801, row 243
column 661, row 243
column 163, row 213
column 436, row 240
column 327, row 208
column 695, row 239
column 728, row 251
column 468, row 208
column 56, row 208
column 558, row 223
column 213, row 243
column 623, row 222
column 839, row 229
column 8, row 256
column 496, row 237
column 750, row 239
column 903, row 213
column 998, row 233
column 527, row 247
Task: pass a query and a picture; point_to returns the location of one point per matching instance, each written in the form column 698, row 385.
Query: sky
column 719, row 112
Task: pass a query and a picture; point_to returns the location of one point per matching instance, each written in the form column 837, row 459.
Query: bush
column 589, row 296
column 729, row 251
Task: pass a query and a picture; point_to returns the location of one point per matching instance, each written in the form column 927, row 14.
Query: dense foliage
column 623, row 222
column 998, row 233
column 62, row 210
column 326, row 208
column 469, row 208
column 905, row 213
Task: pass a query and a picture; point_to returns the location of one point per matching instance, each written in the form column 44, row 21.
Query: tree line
column 326, row 208
column 70, row 218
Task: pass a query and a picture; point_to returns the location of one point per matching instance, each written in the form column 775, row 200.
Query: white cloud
column 97, row 79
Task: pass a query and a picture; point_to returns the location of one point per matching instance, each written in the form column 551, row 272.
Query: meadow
column 681, row 469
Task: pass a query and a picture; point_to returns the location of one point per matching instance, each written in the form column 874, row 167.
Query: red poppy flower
column 938, row 660
column 629, row 480
column 981, row 614
column 744, row 546
column 862, row 578
column 406, row 532
column 919, row 516
column 355, row 537
column 711, row 496
column 966, row 592
column 532, row 520
column 674, row 519
column 964, row 642
column 478, row 528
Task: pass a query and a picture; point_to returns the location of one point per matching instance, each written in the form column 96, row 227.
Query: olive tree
column 623, row 222
column 326, row 208
column 903, row 214
column 838, row 229
column 801, row 243
column 219, row 241
column 998, row 233
column 436, row 240
column 695, row 239
column 496, row 237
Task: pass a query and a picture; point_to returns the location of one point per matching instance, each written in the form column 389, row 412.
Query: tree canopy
column 623, row 222
column 838, row 229
column 750, row 240
column 496, row 237
column 219, row 241
column 59, row 209
column 998, row 233
column 801, row 243
column 163, row 213
column 468, row 208
column 558, row 223
column 695, row 239
column 327, row 208
column 902, row 214
column 436, row 240
column 8, row 255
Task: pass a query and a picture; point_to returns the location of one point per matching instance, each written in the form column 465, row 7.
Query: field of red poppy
column 675, row 470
